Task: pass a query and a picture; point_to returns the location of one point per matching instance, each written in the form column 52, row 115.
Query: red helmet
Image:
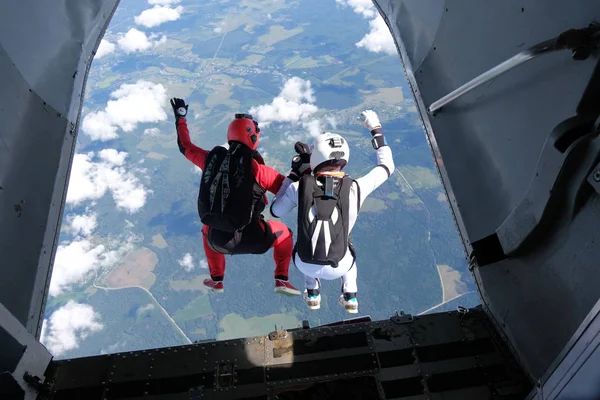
column 245, row 130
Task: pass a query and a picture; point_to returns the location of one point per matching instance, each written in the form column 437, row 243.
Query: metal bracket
column 462, row 310
column 36, row 383
column 402, row 318
column 278, row 334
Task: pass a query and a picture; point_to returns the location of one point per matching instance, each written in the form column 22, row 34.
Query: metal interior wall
column 46, row 50
column 487, row 143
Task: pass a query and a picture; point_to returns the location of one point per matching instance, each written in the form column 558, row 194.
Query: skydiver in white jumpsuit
column 329, row 202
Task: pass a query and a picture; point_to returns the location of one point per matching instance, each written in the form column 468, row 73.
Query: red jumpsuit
column 270, row 180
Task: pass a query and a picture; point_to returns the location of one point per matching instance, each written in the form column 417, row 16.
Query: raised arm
column 192, row 152
column 286, row 198
column 385, row 162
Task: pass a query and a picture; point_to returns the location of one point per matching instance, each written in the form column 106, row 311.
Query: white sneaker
column 313, row 301
column 350, row 304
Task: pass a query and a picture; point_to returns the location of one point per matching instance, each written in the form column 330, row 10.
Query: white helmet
column 329, row 146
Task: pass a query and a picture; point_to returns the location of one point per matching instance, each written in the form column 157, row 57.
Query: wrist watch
column 378, row 141
column 181, row 111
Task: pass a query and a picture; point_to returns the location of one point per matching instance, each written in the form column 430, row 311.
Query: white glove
column 370, row 120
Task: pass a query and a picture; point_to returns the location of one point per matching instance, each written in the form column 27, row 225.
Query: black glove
column 301, row 162
column 179, row 108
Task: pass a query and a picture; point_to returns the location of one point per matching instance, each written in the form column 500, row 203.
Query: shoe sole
column 214, row 290
column 288, row 292
column 311, row 305
column 348, row 310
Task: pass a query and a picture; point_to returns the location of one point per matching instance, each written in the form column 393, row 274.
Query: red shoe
column 284, row 287
column 216, row 286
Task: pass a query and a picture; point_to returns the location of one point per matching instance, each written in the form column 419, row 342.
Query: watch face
column 181, row 111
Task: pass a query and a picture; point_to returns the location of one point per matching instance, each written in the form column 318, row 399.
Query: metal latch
column 402, row 318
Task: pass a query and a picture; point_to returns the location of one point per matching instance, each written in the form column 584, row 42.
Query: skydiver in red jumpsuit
column 223, row 202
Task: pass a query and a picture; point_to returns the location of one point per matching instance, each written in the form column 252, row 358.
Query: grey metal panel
column 49, row 41
column 493, row 135
column 295, row 362
column 34, row 360
column 486, row 145
column 575, row 374
column 45, row 51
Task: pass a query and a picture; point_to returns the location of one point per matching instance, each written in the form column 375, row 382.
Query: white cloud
column 145, row 309
column 364, row 7
column 162, row 40
column 72, row 263
column 152, row 131
column 269, row 16
column 158, row 15
column 187, row 262
column 135, row 40
column 77, row 260
column 68, row 326
column 332, row 121
column 379, row 39
column 314, row 127
column 119, row 247
column 114, row 348
column 104, row 49
column 196, row 170
column 82, row 224
column 97, row 126
column 293, row 104
column 113, row 156
column 163, row 2
column 131, row 104
column 218, row 29
column 203, row 264
column 91, row 180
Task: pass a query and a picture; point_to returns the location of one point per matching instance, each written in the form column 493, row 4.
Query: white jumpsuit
column 287, row 199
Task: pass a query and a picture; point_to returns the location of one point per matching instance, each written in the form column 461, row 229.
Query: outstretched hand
column 301, row 162
column 369, row 119
column 179, row 107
